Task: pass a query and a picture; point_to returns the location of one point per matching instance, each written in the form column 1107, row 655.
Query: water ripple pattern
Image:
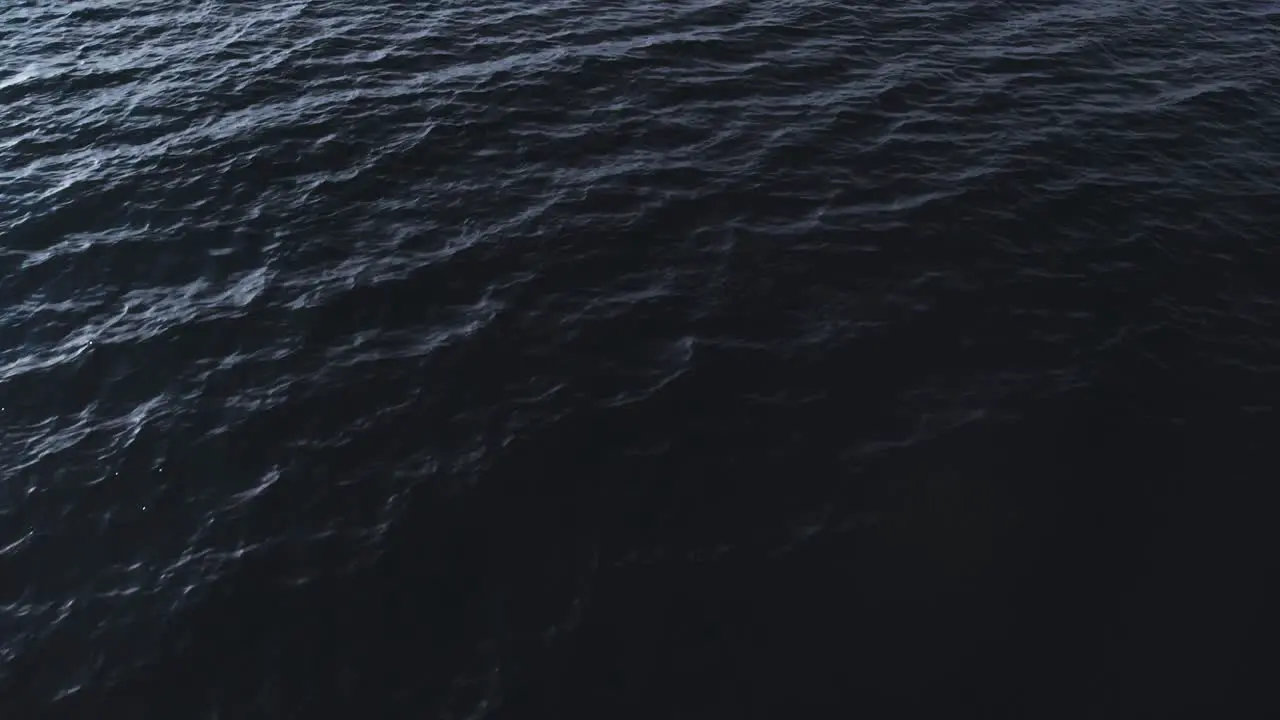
column 335, row 334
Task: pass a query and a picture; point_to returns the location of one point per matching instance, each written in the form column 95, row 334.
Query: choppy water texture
column 649, row 359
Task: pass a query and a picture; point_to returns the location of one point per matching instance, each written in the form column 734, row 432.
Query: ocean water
column 644, row 360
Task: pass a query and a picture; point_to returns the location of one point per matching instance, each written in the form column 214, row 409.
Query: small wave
column 309, row 307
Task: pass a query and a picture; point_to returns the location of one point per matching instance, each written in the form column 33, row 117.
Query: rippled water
column 680, row 359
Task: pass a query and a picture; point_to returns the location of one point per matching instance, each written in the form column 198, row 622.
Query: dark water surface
column 639, row 360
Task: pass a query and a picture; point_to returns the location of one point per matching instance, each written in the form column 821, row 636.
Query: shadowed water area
column 639, row 360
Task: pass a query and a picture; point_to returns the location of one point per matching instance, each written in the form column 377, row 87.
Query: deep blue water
column 640, row 360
